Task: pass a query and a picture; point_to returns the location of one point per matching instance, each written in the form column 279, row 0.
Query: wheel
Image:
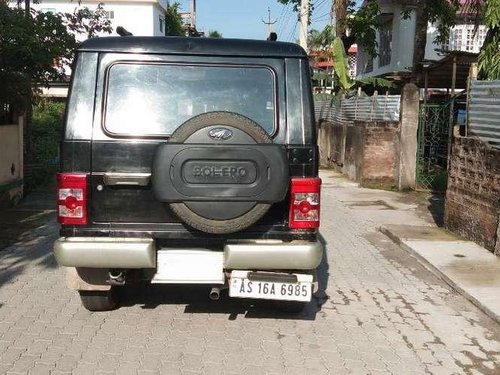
column 98, row 300
column 220, row 172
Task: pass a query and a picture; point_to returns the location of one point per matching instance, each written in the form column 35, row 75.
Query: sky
column 243, row 18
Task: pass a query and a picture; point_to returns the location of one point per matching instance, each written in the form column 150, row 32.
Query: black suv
column 189, row 161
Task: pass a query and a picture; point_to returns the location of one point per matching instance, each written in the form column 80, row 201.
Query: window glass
column 155, row 99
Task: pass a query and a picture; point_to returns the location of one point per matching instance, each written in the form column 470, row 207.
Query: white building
column 140, row 17
column 396, row 41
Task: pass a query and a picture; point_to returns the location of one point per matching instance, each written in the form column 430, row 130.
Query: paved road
column 378, row 312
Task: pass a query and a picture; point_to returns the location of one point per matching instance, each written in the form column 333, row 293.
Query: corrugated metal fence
column 484, row 111
column 365, row 108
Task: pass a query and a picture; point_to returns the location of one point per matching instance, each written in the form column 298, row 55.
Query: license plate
column 240, row 286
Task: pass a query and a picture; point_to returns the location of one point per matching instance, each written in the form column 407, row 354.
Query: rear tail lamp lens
column 72, row 198
column 304, row 203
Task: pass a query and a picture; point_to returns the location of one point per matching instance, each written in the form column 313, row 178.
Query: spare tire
column 215, row 172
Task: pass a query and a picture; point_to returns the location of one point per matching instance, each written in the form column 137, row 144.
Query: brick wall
column 472, row 205
column 367, row 152
column 380, row 153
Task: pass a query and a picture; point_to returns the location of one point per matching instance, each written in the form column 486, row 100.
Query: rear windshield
column 155, row 99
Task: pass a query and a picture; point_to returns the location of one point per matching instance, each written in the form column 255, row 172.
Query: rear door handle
column 127, row 179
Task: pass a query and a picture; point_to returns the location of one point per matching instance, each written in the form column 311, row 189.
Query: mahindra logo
column 220, row 134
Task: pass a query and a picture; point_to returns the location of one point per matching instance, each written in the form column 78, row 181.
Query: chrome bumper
column 101, row 252
column 273, row 255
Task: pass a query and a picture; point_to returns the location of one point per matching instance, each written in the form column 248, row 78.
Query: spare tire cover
column 220, row 128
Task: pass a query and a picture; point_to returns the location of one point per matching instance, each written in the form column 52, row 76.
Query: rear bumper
column 132, row 253
column 273, row 256
column 104, row 252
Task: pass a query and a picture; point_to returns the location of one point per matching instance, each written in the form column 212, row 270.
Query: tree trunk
column 339, row 7
column 340, row 17
column 420, row 39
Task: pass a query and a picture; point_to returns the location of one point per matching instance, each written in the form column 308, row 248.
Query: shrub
column 47, row 127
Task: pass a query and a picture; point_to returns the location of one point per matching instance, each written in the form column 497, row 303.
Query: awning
column 440, row 73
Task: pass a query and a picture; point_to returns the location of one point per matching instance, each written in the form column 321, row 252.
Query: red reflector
column 72, row 198
column 304, row 203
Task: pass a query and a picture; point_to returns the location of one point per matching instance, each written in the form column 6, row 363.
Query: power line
column 283, row 8
column 292, row 34
column 281, row 18
column 318, row 17
column 286, row 20
column 321, row 20
column 319, row 5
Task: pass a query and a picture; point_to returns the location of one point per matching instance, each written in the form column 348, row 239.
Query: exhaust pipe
column 116, row 277
column 214, row 294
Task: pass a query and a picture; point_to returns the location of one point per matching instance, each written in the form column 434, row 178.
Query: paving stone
column 40, row 369
column 385, row 313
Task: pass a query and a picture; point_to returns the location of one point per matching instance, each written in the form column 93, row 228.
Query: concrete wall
column 331, row 140
column 472, row 207
column 375, row 153
column 403, row 40
column 354, row 151
column 11, row 163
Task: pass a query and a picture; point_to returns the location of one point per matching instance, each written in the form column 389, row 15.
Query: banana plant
column 341, row 66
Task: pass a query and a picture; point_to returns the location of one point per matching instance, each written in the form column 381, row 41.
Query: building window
column 469, row 45
column 162, row 23
column 109, row 14
column 466, row 38
column 385, row 43
column 456, row 39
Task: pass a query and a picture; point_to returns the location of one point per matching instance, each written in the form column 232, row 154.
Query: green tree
column 84, row 21
column 35, row 48
column 214, row 34
column 489, row 58
column 487, row 11
column 321, row 40
column 174, row 26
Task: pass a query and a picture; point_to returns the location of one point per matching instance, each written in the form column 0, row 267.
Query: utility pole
column 269, row 23
column 193, row 13
column 304, row 21
column 332, row 13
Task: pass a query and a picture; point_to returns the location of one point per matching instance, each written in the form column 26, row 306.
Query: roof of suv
column 193, row 46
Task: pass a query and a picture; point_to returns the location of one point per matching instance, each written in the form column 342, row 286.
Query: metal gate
column 432, row 150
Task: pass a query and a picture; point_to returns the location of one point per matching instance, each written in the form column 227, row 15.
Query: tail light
column 72, row 198
column 304, row 203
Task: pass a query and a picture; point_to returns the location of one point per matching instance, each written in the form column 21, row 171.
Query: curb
column 440, row 274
